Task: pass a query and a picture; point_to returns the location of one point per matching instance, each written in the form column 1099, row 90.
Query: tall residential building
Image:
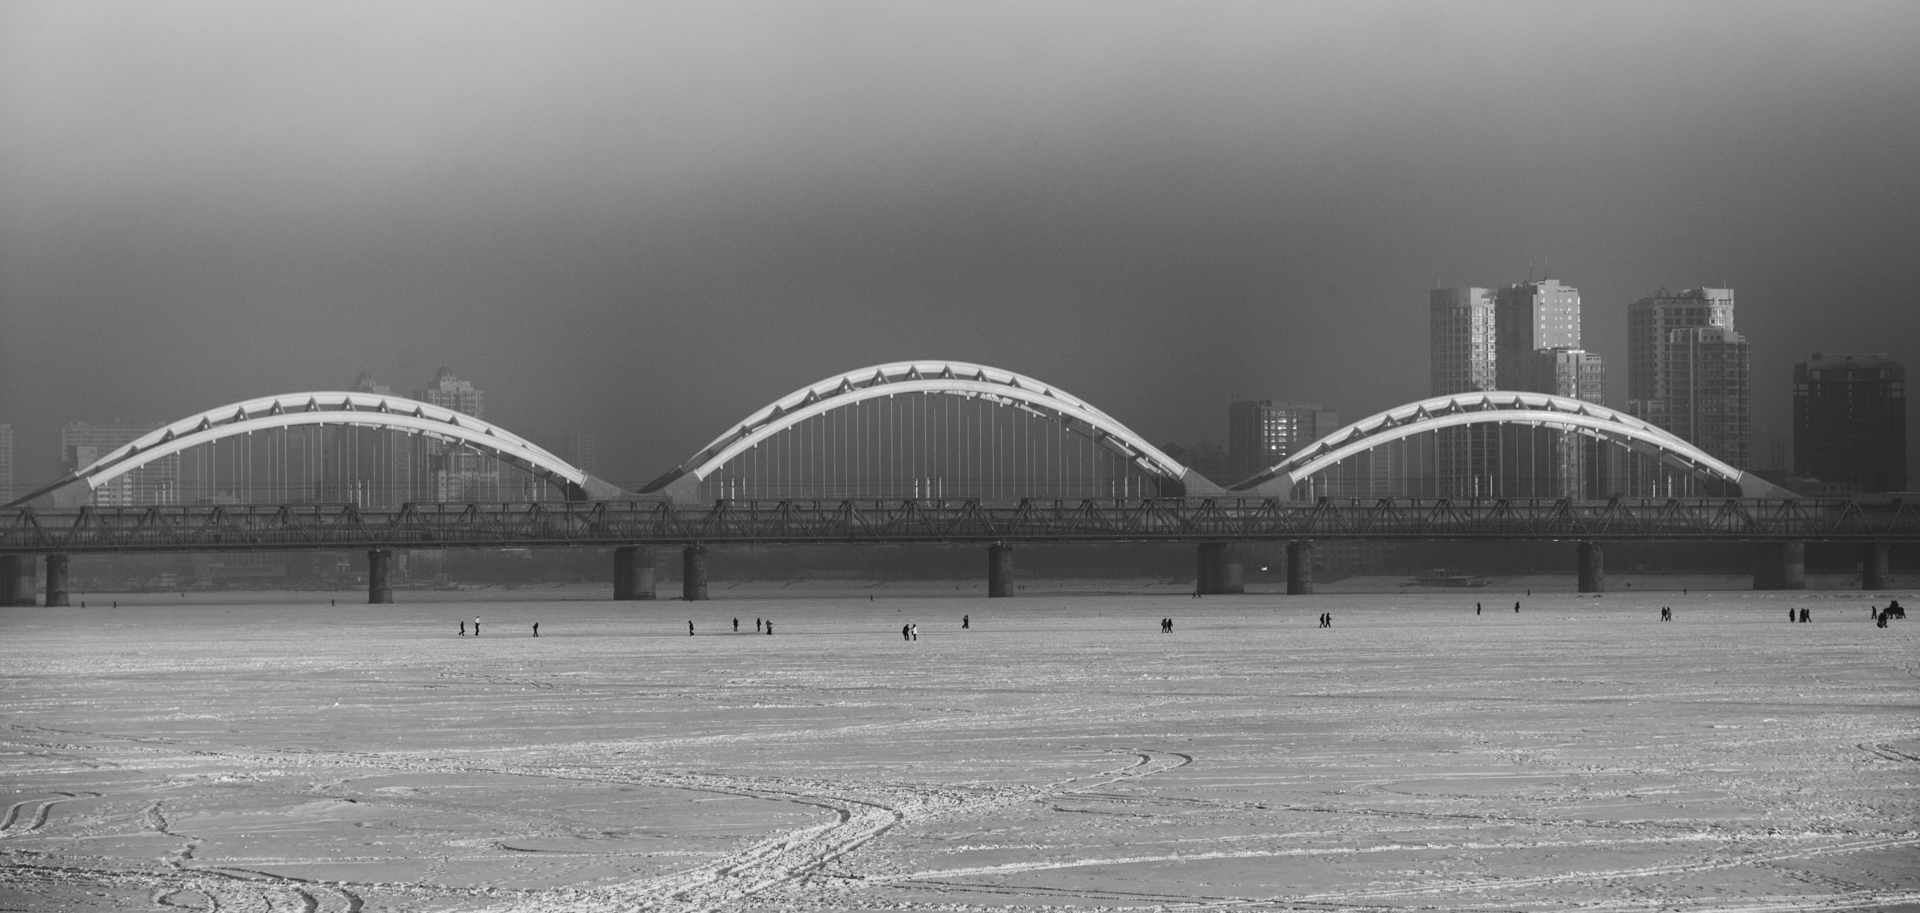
column 1261, row 433
column 366, row 384
column 1462, row 355
column 1687, row 370
column 1850, row 421
column 453, row 393
column 6, row 463
column 1572, row 373
column 158, row 482
column 457, row 473
column 1529, row 316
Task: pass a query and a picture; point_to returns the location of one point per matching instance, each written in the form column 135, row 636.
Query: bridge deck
column 607, row 523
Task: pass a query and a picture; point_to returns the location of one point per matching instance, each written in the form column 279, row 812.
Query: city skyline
column 1155, row 210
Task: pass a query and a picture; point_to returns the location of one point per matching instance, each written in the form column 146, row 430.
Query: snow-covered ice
column 273, row 753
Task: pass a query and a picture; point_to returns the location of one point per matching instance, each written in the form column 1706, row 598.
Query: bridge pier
column 1780, row 566
column 1593, row 568
column 16, row 580
column 999, row 570
column 632, row 573
column 1874, row 571
column 379, row 576
column 57, row 581
column 1216, row 573
column 1300, row 568
column 693, row 573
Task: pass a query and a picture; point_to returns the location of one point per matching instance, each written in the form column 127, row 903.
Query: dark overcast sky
column 648, row 221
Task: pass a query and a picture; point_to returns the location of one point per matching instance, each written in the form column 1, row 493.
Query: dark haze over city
column 648, row 221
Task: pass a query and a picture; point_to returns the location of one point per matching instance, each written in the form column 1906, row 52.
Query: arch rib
column 1498, row 407
column 926, row 377
column 366, row 410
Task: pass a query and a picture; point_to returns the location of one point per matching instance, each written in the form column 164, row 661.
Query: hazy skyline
column 646, row 222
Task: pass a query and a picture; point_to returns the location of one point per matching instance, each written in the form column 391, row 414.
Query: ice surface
column 270, row 753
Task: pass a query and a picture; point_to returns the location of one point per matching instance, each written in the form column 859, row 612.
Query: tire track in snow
column 10, row 824
column 792, row 858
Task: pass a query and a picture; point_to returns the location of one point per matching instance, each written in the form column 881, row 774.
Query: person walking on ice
column 463, row 629
column 536, row 629
column 476, row 626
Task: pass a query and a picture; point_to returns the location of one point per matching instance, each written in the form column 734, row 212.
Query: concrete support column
column 1874, row 571
column 16, row 580
column 1593, row 568
column 632, row 573
column 693, row 573
column 1780, row 566
column 379, row 576
column 1216, row 573
column 1300, row 568
column 999, row 570
column 57, row 579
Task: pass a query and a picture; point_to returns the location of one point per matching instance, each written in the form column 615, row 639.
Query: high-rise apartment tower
column 158, row 482
column 1850, row 421
column 460, row 473
column 1261, row 433
column 1687, row 369
column 1461, row 339
column 1530, row 316
column 453, row 393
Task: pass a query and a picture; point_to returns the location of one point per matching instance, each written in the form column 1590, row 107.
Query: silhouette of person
column 1476, row 608
column 689, row 627
column 916, row 631
column 736, row 626
column 1790, row 615
column 1516, row 605
column 756, row 624
column 476, row 626
column 463, row 629
column 769, row 626
column 536, row 629
column 966, row 621
column 906, row 632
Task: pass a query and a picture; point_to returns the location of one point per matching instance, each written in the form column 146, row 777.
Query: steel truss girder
column 610, row 523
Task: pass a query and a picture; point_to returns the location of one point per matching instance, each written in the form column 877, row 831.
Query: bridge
column 926, row 451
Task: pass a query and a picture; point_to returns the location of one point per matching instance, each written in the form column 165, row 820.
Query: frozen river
column 1060, row 754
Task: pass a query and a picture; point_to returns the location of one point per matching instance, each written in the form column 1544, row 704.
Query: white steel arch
column 952, row 378
column 1499, row 407
column 366, row 410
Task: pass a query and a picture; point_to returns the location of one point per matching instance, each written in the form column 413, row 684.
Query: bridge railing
column 607, row 523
